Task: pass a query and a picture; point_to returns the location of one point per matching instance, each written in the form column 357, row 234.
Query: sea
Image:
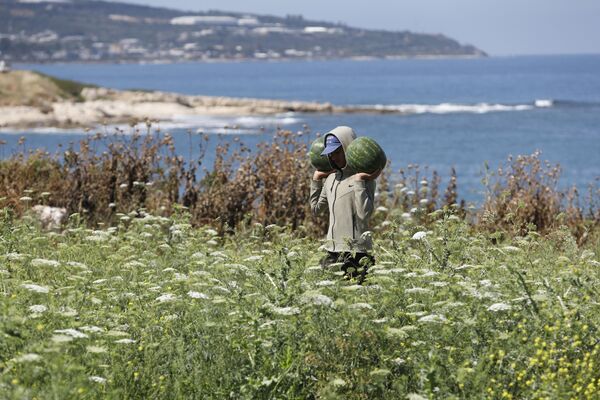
column 464, row 114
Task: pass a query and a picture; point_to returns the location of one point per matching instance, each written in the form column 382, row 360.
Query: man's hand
column 318, row 175
column 363, row 176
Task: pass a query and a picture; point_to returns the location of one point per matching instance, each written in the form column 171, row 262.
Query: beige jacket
column 350, row 204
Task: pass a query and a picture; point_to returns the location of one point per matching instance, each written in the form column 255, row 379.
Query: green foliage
column 155, row 308
column 69, row 88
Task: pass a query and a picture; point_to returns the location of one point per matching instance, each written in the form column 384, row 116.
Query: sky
column 499, row 27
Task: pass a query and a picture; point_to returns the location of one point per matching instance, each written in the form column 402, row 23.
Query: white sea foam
column 249, row 124
column 449, row 108
column 544, row 103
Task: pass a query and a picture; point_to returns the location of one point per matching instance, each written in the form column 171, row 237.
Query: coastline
column 102, row 106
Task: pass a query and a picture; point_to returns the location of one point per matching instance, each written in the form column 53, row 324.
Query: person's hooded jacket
column 350, row 203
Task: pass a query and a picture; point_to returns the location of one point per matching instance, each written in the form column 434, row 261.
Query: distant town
column 95, row 31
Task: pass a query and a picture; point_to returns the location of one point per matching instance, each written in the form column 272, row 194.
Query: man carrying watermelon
column 345, row 183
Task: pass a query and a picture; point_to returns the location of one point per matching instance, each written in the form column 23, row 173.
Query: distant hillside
column 28, row 88
column 82, row 30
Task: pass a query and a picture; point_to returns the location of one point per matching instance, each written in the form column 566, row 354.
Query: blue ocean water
column 460, row 113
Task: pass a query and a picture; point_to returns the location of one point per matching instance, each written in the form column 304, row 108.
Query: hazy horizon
column 538, row 27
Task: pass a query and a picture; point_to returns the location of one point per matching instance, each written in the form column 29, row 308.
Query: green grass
column 69, row 88
column 157, row 309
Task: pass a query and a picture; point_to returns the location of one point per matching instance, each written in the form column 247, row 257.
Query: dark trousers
column 354, row 266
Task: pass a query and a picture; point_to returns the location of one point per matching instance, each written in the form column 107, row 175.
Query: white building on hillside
column 4, row 66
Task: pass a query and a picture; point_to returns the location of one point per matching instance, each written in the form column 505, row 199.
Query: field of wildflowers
column 153, row 307
column 170, row 280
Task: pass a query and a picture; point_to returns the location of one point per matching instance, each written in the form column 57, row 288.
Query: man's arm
column 364, row 198
column 364, row 193
column 318, row 196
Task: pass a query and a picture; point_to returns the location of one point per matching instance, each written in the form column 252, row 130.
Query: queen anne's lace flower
column 499, row 307
column 419, row 235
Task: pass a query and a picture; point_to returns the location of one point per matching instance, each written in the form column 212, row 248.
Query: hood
column 345, row 134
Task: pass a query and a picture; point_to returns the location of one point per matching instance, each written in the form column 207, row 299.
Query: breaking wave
column 477, row 108
column 454, row 108
column 249, row 124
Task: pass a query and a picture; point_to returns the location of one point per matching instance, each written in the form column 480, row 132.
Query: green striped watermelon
column 318, row 161
column 365, row 155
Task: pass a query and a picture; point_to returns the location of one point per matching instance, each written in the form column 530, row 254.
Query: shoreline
column 19, row 64
column 102, row 106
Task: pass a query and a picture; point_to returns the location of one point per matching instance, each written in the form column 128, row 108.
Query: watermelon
column 318, row 161
column 365, row 155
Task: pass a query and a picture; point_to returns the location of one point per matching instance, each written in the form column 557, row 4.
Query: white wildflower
column 253, row 258
column 125, row 341
column 419, row 235
column 97, row 238
column 97, row 379
column 76, row 264
column 180, row 277
column 380, row 320
column 67, row 312
column 433, row 318
column 15, row 257
column 361, row 306
column 317, row 299
column 382, row 209
column 197, row 295
column 28, row 357
column 499, row 307
column 61, row 338
column 338, row 382
column 325, row 282
column 511, row 249
column 35, row 288
column 285, row 310
column 438, row 284
column 212, row 243
column 406, row 215
column 382, row 272
column 167, row 297
column 74, row 333
column 423, row 202
column 239, row 267
column 134, row 264
column 40, row 262
column 211, row 232
column 38, row 308
column 95, row 349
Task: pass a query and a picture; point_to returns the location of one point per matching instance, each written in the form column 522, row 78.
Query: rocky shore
column 93, row 106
